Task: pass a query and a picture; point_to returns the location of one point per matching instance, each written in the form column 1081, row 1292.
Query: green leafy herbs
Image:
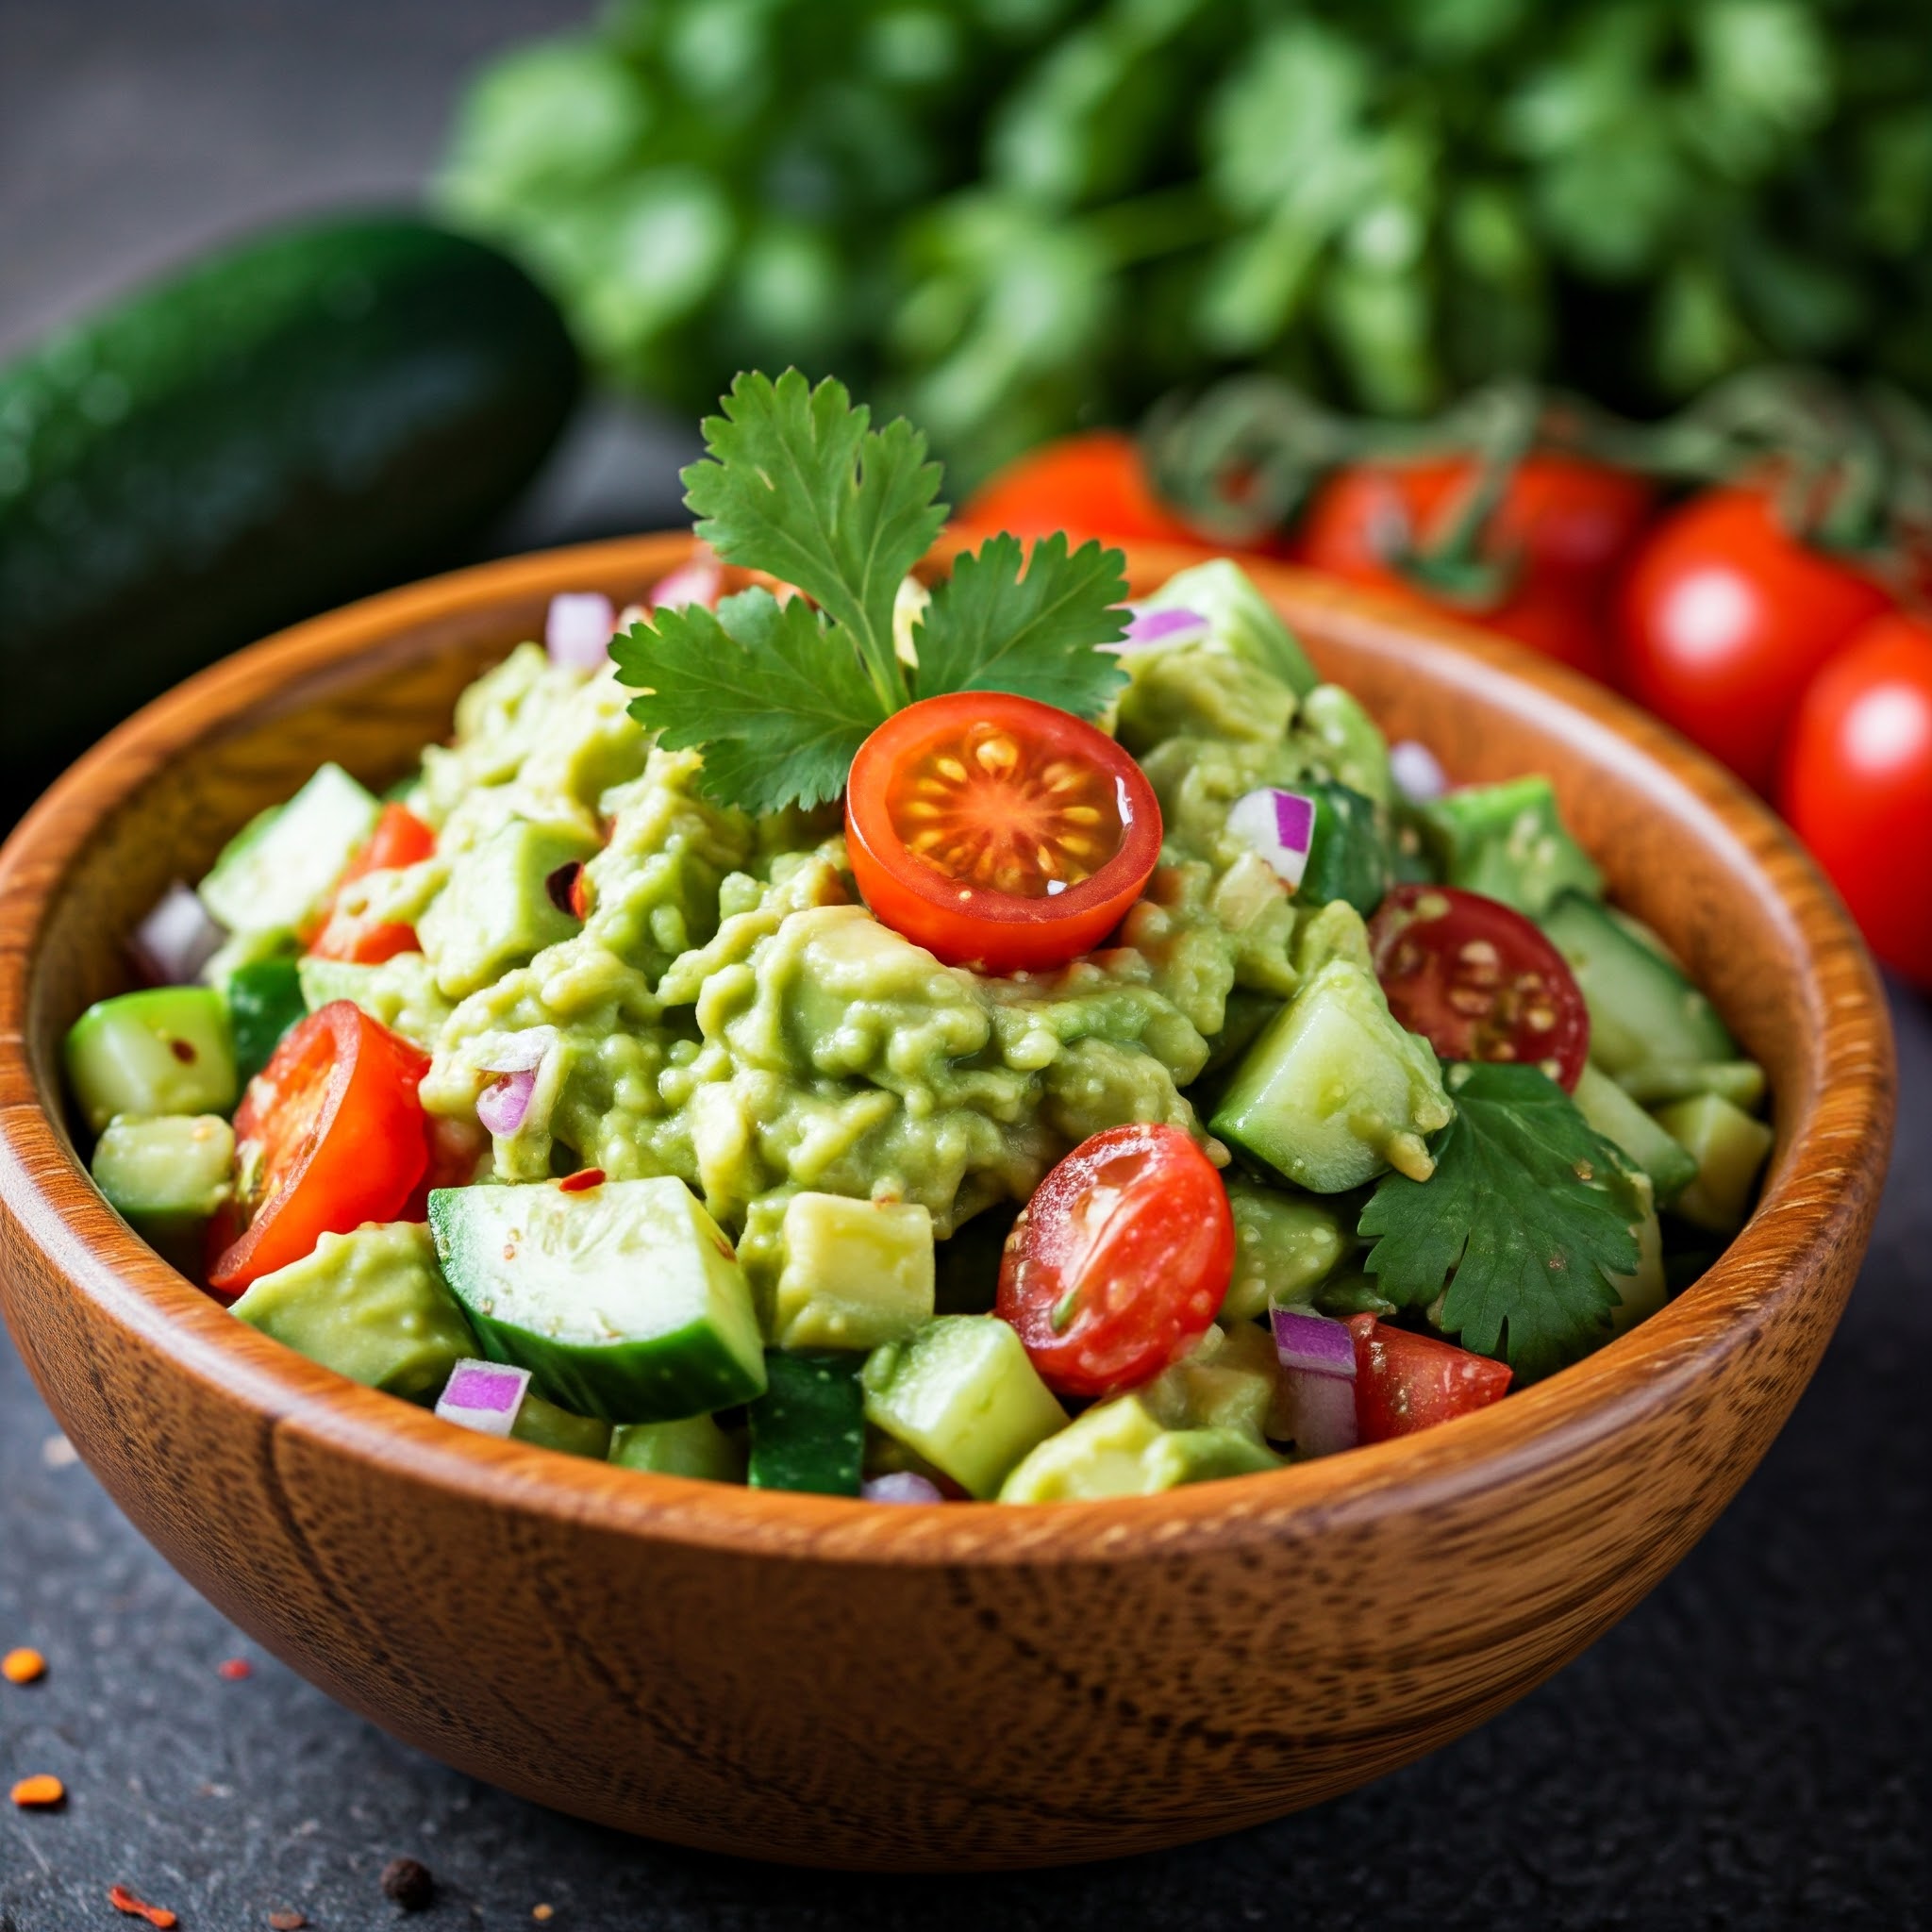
column 780, row 696
column 1526, row 1217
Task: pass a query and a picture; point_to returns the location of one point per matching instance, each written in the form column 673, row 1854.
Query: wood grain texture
column 831, row 1682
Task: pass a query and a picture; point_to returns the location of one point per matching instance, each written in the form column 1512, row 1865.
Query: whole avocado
column 311, row 415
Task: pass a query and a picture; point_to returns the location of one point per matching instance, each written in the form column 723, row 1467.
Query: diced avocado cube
column 1196, row 693
column 1336, row 1090
column 281, row 868
column 1508, row 842
column 1347, row 857
column 808, row 1430
column 693, row 1445
column 963, row 1394
column 1741, row 1082
column 857, row 1273
column 166, row 1177
column 624, row 1300
column 264, row 1001
column 1333, row 931
column 1643, row 1292
column 497, row 909
column 1284, row 1245
column 1118, row 1449
column 371, row 1306
column 162, row 1051
column 1228, row 1382
column 1240, row 621
column 548, row 1427
column 400, row 994
column 1612, row 1113
column 1729, row 1148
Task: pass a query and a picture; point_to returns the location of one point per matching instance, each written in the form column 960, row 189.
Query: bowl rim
column 1831, row 1160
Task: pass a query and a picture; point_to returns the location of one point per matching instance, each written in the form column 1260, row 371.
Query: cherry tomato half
column 1478, row 982
column 1723, row 619
column 1406, row 1382
column 339, row 1135
column 1092, row 485
column 1857, row 785
column 400, row 838
column 1119, row 1262
column 998, row 832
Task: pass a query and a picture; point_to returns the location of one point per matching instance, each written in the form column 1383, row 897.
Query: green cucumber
column 693, row 1445
column 624, row 1301
column 548, row 1427
column 808, row 1430
column 162, row 1051
column 1508, row 842
column 1619, row 1119
column 279, row 872
column 323, row 409
column 264, row 1001
column 1347, row 857
column 1741, row 1082
column 166, row 1177
column 1729, row 1148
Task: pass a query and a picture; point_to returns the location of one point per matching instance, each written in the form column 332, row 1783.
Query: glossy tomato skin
column 1857, row 785
column 341, row 1138
column 1567, row 525
column 1406, row 1382
column 1723, row 620
column 1479, row 981
column 972, row 924
column 400, row 838
column 1121, row 1260
column 1091, row 485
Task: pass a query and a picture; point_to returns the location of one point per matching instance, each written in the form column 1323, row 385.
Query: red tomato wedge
column 1406, row 1382
column 400, row 838
column 340, row 1136
column 1478, row 982
column 1091, row 485
column 1119, row 1262
column 998, row 832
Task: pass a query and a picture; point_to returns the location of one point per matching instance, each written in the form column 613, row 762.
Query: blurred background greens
column 1011, row 217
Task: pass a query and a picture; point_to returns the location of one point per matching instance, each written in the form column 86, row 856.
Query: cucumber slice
column 694, row 1445
column 281, row 867
column 162, row 1051
column 1730, row 1147
column 808, row 1430
column 1508, row 842
column 264, row 1001
column 624, row 1301
column 1347, row 858
column 1619, row 1119
column 963, row 1394
column 166, row 1177
column 1741, row 1082
column 1642, row 1011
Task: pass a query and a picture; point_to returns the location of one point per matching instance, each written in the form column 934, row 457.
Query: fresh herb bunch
column 1008, row 216
column 781, row 695
column 1528, row 1215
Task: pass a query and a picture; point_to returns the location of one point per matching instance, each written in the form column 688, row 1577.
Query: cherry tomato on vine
column 998, row 832
column 1723, row 619
column 400, row 838
column 1479, row 981
column 1563, row 528
column 1119, row 1262
column 1857, row 785
column 1091, row 485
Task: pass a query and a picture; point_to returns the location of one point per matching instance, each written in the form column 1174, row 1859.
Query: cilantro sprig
column 779, row 697
column 1526, row 1217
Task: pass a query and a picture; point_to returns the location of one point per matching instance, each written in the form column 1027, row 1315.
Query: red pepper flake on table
column 234, row 1669
column 40, row 1792
column 125, row 1900
column 286, row 1922
column 23, row 1666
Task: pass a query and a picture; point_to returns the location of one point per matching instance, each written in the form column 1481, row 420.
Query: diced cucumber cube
column 264, row 1001
column 963, row 1394
column 1729, row 1148
column 162, row 1051
column 497, row 909
column 808, row 1430
column 1741, row 1082
column 1284, row 1245
column 1508, row 842
column 625, row 1299
column 1643, row 1292
column 281, row 868
column 166, row 1177
column 1347, row 858
column 1118, row 1449
column 856, row 1273
column 1612, row 1113
column 548, row 1427
column 693, row 1445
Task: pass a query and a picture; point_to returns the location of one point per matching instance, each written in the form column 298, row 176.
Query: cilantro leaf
column 779, row 716
column 1531, row 1210
column 990, row 629
column 799, row 484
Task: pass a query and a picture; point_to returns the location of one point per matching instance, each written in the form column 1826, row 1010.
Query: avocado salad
column 968, row 1039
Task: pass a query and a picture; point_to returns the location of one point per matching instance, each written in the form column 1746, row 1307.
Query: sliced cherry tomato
column 1857, row 785
column 400, row 838
column 1406, row 1382
column 335, row 1133
column 1564, row 526
column 1478, row 982
column 998, row 832
column 1119, row 1262
column 1723, row 620
column 1092, row 485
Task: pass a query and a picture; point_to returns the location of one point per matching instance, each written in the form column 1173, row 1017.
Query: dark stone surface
column 1745, row 1751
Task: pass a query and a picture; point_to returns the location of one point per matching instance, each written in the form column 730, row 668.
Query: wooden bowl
column 833, row 1682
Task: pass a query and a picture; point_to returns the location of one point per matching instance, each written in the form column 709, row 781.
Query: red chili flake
column 125, row 1900
column 234, row 1669
column 40, row 1792
column 286, row 1922
column 584, row 1178
column 566, row 890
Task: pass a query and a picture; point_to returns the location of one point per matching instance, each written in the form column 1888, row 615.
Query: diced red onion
column 901, row 1486
column 1418, row 774
column 1280, row 825
column 176, row 939
column 503, row 1104
column 701, row 580
column 1307, row 1341
column 577, row 631
column 484, row 1396
column 1318, row 1411
column 1166, row 629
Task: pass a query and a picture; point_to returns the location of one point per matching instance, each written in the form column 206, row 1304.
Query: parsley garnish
column 779, row 698
column 1526, row 1216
